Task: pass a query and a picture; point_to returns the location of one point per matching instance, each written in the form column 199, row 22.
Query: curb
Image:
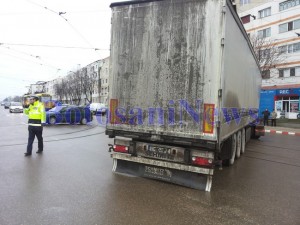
column 282, row 132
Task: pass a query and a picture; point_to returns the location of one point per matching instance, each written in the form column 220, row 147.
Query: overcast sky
column 30, row 30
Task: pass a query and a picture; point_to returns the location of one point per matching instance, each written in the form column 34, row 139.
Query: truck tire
column 238, row 144
column 243, row 143
column 233, row 149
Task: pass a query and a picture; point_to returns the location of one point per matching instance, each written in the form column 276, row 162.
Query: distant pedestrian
column 273, row 118
column 266, row 114
column 36, row 117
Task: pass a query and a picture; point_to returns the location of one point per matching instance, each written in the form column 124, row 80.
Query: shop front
column 284, row 101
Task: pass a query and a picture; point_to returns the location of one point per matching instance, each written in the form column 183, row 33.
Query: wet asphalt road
column 72, row 183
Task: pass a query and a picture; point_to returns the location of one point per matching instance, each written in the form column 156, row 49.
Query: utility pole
column 99, row 83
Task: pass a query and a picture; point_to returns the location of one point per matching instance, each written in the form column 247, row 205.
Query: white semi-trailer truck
column 184, row 89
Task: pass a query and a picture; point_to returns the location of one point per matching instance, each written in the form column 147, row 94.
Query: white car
column 15, row 107
column 94, row 107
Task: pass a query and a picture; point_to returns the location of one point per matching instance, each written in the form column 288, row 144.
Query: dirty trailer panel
column 172, row 68
column 166, row 55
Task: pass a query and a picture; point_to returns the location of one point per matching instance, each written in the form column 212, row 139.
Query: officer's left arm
column 26, row 111
column 43, row 112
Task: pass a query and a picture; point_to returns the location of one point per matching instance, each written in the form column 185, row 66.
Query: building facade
column 277, row 23
column 104, row 81
column 86, row 85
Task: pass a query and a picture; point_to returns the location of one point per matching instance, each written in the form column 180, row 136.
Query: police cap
column 34, row 97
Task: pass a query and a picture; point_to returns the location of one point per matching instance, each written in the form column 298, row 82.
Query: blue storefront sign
column 267, row 97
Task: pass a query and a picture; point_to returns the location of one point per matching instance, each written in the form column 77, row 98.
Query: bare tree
column 17, row 98
column 58, row 89
column 268, row 54
column 76, row 87
column 89, row 82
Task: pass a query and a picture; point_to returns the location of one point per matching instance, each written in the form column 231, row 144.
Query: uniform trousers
column 38, row 132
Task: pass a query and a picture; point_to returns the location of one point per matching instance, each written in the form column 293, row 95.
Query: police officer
column 36, row 117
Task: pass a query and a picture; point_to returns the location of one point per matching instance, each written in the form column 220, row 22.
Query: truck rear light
column 208, row 118
column 199, row 161
column 120, row 148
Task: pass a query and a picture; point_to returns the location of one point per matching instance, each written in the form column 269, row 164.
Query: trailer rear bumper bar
column 153, row 170
column 164, row 164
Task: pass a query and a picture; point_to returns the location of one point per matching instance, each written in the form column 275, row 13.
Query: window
column 289, row 72
column 264, row 53
column 266, row 74
column 280, row 73
column 264, row 13
column 244, row 2
column 264, row 33
column 297, row 71
column 292, row 72
column 289, row 26
column 288, row 4
column 282, row 49
column 292, row 48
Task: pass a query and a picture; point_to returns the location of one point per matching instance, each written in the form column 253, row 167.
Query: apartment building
column 104, row 81
column 97, row 74
column 278, row 23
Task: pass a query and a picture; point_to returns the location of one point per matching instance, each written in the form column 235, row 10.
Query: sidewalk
column 282, row 130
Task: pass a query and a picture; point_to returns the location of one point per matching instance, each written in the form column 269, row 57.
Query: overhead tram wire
column 55, row 46
column 9, row 48
column 40, row 63
column 61, row 15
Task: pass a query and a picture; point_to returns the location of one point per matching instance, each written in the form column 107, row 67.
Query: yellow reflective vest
column 36, row 114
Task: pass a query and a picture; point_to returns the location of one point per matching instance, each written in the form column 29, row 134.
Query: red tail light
column 199, row 161
column 120, row 148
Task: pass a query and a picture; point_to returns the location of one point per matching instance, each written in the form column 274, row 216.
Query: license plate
column 169, row 153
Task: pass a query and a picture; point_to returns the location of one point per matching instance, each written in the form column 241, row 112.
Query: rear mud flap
column 184, row 178
column 259, row 130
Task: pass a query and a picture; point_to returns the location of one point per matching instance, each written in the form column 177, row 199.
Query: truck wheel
column 233, row 149
column 238, row 144
column 243, row 143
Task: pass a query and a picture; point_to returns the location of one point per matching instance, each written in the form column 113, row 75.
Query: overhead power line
column 39, row 63
column 55, row 46
column 61, row 14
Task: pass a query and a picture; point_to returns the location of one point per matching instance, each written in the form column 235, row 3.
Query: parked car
column 102, row 111
column 69, row 115
column 94, row 107
column 6, row 105
column 16, row 107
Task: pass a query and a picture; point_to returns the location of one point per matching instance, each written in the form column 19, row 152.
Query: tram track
column 60, row 139
column 273, row 161
column 274, row 146
column 264, row 152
